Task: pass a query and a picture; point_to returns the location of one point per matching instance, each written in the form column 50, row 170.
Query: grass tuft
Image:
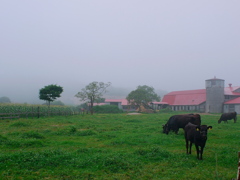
column 32, row 134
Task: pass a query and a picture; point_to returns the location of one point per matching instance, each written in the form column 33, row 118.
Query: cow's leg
column 235, row 120
column 197, row 148
column 176, row 131
column 201, row 153
column 187, row 145
column 190, row 148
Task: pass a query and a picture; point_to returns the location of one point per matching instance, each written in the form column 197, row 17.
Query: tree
column 93, row 92
column 143, row 94
column 5, row 100
column 100, row 100
column 50, row 93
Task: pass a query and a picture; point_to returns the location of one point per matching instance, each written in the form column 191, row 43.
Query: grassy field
column 113, row 146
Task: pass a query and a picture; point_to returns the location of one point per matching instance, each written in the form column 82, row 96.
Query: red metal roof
column 188, row 97
column 233, row 101
column 230, row 91
column 196, row 97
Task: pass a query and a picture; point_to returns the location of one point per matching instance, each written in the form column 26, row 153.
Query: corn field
column 26, row 111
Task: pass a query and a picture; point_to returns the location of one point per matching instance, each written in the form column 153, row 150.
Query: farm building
column 215, row 98
column 121, row 103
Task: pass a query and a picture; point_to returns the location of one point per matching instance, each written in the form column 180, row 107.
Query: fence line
column 238, row 173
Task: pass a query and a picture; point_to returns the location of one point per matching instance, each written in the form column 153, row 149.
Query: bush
column 107, row 109
column 166, row 110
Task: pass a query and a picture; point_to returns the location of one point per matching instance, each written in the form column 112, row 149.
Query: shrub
column 107, row 109
column 168, row 109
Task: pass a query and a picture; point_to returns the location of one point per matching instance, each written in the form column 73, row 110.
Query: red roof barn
column 196, row 99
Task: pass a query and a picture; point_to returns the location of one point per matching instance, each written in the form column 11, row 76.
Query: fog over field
column 169, row 45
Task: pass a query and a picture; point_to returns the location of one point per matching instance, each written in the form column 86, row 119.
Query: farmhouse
column 121, row 103
column 215, row 98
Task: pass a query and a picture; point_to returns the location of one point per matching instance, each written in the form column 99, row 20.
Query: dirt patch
column 133, row 113
column 57, row 125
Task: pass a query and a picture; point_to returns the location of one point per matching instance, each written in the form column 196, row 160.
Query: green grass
column 113, row 146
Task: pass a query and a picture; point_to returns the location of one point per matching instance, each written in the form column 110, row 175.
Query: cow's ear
column 209, row 127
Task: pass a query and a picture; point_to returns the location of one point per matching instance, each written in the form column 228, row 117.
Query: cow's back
column 176, row 122
column 183, row 120
column 196, row 119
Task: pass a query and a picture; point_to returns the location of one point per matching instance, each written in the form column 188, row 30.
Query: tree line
column 94, row 92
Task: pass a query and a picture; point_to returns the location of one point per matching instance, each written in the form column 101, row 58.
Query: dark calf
column 197, row 135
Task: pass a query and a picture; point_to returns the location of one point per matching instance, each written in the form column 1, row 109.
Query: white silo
column 214, row 95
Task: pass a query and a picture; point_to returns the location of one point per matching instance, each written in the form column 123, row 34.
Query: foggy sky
column 167, row 44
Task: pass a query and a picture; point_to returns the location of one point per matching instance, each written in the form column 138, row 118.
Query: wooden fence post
column 238, row 173
column 38, row 111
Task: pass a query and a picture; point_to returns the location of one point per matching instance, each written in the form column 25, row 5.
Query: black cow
column 228, row 116
column 197, row 135
column 180, row 121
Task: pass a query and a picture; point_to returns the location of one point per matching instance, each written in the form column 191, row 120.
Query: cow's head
column 219, row 121
column 203, row 129
column 165, row 128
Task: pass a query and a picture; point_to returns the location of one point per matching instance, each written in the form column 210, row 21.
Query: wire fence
column 13, row 111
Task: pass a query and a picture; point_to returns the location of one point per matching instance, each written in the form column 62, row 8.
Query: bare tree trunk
column 91, row 108
column 48, row 108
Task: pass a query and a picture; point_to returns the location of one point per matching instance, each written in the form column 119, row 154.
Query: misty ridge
column 30, row 94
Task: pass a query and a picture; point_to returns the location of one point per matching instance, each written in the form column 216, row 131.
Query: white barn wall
column 226, row 108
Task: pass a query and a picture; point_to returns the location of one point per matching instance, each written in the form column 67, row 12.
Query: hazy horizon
column 168, row 45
